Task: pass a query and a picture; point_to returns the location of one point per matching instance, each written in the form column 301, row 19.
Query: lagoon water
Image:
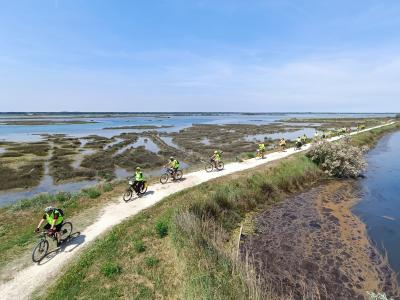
column 177, row 121
column 379, row 207
column 46, row 185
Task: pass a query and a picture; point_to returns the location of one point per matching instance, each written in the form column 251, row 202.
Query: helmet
column 48, row 209
column 215, row 152
column 171, row 158
column 137, row 168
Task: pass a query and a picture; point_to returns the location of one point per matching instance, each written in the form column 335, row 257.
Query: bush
column 92, row 193
column 162, row 228
column 139, row 246
column 110, row 269
column 107, row 187
column 339, row 159
column 151, row 261
column 62, row 196
column 250, row 155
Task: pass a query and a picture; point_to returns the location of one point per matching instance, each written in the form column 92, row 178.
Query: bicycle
column 211, row 165
column 260, row 154
column 298, row 146
column 130, row 190
column 170, row 173
column 42, row 247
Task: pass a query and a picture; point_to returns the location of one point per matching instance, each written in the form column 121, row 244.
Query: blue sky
column 204, row 55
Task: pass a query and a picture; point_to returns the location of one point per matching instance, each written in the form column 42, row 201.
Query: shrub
column 110, row 269
column 107, row 187
column 139, row 246
column 339, row 159
column 62, row 196
column 377, row 296
column 92, row 193
column 250, row 155
column 162, row 228
column 151, row 261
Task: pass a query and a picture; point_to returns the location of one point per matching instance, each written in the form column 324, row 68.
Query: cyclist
column 173, row 165
column 54, row 218
column 261, row 149
column 139, row 180
column 304, row 139
column 282, row 144
column 299, row 142
column 216, row 157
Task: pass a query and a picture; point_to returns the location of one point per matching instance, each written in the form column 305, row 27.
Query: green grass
column 139, row 246
column 221, row 204
column 92, row 192
column 370, row 138
column 151, row 261
column 162, row 228
column 188, row 262
column 192, row 258
column 20, row 219
column 110, row 269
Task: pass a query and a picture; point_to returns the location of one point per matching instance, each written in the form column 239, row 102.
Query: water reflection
column 379, row 207
column 46, row 186
column 288, row 135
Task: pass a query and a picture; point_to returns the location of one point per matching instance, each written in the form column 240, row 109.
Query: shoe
column 58, row 244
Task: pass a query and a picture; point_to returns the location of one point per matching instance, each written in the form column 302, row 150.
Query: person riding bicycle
column 216, row 157
column 261, row 149
column 173, row 165
column 139, row 180
column 54, row 218
column 299, row 142
column 304, row 139
column 282, row 144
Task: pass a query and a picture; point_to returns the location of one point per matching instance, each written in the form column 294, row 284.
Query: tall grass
column 19, row 220
column 184, row 238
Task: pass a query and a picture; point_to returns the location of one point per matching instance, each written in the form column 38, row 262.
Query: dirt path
column 25, row 282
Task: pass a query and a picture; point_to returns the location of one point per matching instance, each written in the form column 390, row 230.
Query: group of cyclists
column 54, row 217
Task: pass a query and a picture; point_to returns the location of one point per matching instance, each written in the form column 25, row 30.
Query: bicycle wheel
column 40, row 250
column 220, row 166
column 179, row 175
column 164, row 178
column 143, row 190
column 66, row 230
column 209, row 167
column 127, row 195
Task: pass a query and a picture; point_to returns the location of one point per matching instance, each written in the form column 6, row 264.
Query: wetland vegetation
column 70, row 158
column 173, row 231
column 192, row 244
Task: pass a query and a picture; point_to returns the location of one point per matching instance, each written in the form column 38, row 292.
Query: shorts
column 57, row 227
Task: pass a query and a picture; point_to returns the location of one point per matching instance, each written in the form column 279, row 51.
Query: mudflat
column 313, row 245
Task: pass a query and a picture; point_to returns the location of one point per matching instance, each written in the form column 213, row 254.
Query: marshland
column 87, row 148
column 83, row 173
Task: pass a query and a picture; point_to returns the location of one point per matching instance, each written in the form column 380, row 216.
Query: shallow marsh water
column 26, row 133
column 46, row 185
column 287, row 135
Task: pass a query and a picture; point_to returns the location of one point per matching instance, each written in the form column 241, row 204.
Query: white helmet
column 48, row 208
